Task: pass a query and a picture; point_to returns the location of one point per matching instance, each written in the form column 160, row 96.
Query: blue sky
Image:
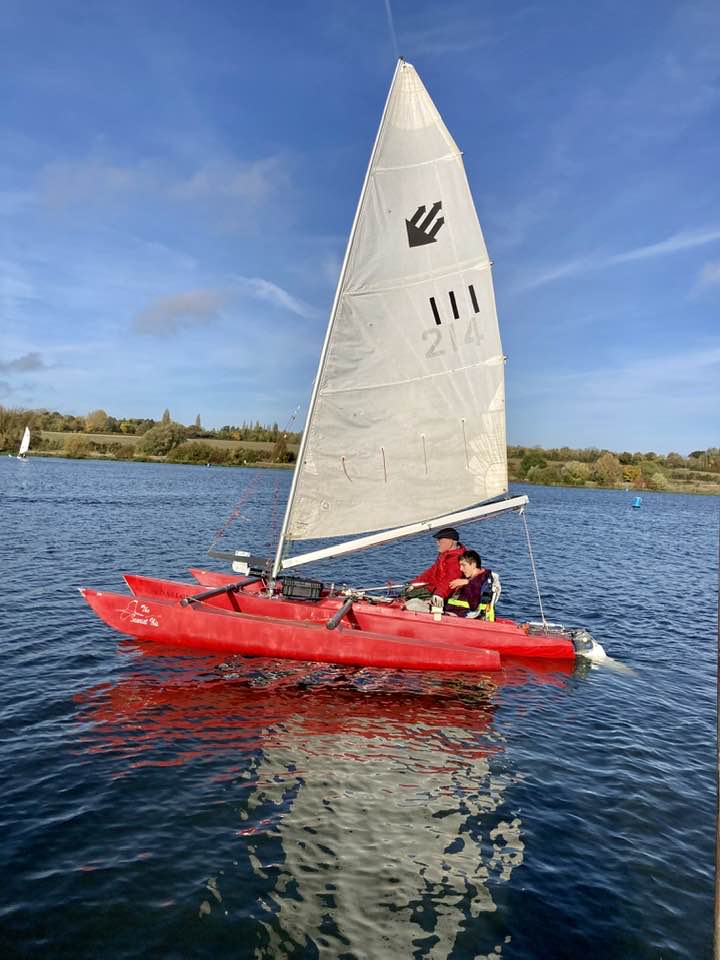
column 177, row 182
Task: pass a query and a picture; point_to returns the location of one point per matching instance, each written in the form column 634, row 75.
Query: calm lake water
column 175, row 806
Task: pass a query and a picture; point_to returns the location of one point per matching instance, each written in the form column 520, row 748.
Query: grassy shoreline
column 63, row 455
column 239, row 453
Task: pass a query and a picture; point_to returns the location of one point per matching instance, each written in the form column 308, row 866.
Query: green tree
column 658, row 482
column 633, row 474
column 575, row 472
column 123, row 451
column 607, row 469
column 96, row 422
column 166, row 417
column 280, row 451
column 77, row 447
column 161, row 439
column 533, row 458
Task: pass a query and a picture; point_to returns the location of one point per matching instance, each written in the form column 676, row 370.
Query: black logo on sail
column 419, row 230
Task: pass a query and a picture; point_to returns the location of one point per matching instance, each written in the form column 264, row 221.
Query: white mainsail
column 407, row 417
column 24, row 443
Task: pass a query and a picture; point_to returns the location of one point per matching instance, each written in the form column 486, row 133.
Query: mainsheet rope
column 236, row 511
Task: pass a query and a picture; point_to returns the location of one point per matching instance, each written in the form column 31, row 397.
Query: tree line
column 642, row 470
column 151, row 438
column 93, row 434
column 98, row 421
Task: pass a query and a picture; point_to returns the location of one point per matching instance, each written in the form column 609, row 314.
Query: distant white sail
column 24, row 443
column 408, row 420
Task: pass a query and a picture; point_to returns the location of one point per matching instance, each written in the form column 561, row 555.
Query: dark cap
column 447, row 533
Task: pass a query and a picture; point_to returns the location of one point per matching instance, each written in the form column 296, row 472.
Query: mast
column 333, row 312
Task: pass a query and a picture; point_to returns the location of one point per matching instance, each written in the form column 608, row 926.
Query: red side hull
column 504, row 636
column 211, row 628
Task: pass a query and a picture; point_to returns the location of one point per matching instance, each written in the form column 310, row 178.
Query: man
column 438, row 576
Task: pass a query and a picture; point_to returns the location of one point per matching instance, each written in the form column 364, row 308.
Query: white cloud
column 167, row 315
column 457, row 31
column 672, row 377
column 275, row 295
column 661, row 402
column 251, row 182
column 683, row 240
column 67, row 184
column 29, row 361
column 15, row 201
column 71, row 183
column 709, row 276
column 15, row 286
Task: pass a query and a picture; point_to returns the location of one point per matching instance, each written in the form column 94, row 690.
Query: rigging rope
column 274, row 525
column 532, row 564
column 236, row 512
column 391, row 25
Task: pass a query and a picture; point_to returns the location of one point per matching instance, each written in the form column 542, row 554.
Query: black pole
column 215, row 592
column 337, row 617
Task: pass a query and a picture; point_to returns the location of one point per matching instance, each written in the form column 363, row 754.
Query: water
column 174, row 806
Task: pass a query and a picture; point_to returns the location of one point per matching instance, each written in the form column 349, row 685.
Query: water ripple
column 180, row 806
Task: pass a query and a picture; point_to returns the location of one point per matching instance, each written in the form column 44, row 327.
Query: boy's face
column 468, row 568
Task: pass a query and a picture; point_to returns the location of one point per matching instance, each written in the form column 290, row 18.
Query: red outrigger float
column 240, row 617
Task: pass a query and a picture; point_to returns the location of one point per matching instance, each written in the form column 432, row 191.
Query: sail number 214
column 442, row 338
column 444, row 335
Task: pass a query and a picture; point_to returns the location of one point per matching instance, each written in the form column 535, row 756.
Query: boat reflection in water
column 372, row 807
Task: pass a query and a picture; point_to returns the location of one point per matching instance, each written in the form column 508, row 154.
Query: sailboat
column 405, row 434
column 24, row 445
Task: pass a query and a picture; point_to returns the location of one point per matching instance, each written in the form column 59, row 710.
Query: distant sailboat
column 24, row 445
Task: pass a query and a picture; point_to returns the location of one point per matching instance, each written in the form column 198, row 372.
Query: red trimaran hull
column 370, row 635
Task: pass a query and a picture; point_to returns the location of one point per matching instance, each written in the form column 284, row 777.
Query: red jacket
column 446, row 568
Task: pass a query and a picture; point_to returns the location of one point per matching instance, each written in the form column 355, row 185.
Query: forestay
column 407, row 420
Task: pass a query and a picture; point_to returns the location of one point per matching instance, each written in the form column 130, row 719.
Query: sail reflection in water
column 372, row 810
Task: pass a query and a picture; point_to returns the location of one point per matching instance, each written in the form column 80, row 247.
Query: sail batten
column 491, row 361
column 407, row 416
column 423, row 163
column 407, row 282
